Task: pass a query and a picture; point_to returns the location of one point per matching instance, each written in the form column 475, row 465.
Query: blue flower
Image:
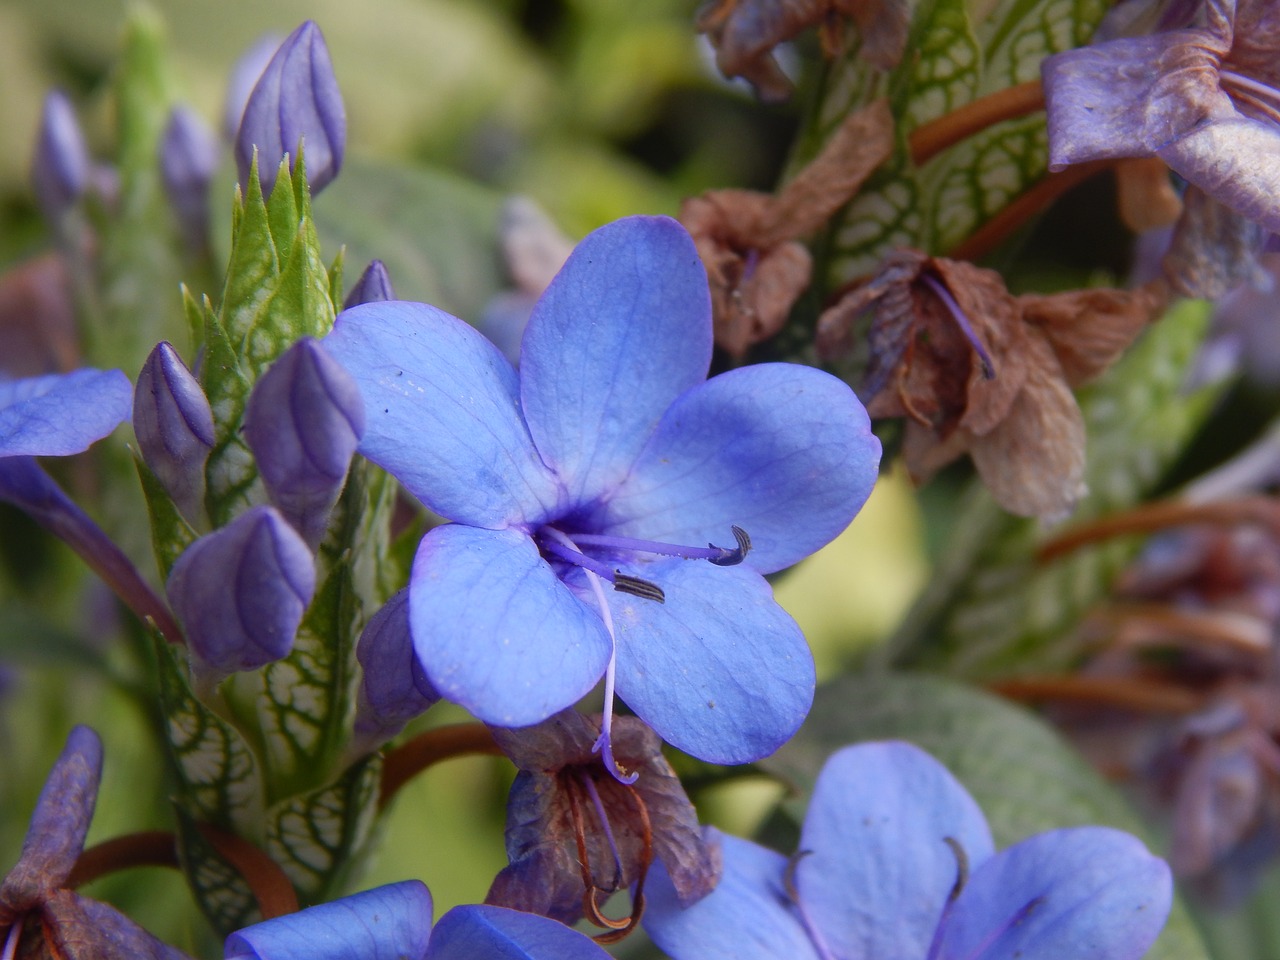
column 394, row 923
column 896, row 862
column 61, row 413
column 610, row 458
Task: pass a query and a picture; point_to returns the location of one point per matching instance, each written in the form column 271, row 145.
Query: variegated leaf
column 221, row 893
column 317, row 836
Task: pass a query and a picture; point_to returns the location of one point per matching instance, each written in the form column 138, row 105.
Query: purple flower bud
column 303, row 422
column 60, row 167
column 240, row 593
column 295, row 100
column 394, row 689
column 174, row 426
column 188, row 158
column 244, row 77
column 374, row 285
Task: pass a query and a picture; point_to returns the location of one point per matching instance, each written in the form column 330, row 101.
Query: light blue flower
column 61, row 413
column 394, row 923
column 896, row 862
column 611, row 459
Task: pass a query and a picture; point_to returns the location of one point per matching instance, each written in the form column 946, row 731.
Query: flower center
column 572, row 550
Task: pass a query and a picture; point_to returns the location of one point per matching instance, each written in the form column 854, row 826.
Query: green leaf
column 303, row 703
column 316, row 838
column 990, row 609
column 220, row 892
column 218, row 779
column 436, row 232
column 952, row 61
column 170, row 532
column 140, row 258
column 1023, row 775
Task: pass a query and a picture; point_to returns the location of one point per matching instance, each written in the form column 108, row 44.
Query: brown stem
column 430, row 747
column 150, row 848
column 1160, row 515
column 271, row 888
column 930, row 139
column 1156, row 624
column 1137, row 695
column 1005, row 223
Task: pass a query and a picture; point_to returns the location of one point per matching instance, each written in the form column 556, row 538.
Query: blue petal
column 61, row 414
column 719, row 670
column 1090, row 893
column 496, row 630
column 387, row 923
column 782, row 450
column 623, row 330
column 747, row 916
column 496, row 933
column 442, row 413
column 879, row 868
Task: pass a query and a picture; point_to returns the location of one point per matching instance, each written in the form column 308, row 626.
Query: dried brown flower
column 748, row 240
column 976, row 370
column 744, row 33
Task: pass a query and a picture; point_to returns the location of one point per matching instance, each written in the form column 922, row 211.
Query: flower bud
column 240, row 593
column 174, row 426
column 374, row 285
column 296, row 100
column 303, row 422
column 244, row 77
column 394, row 688
column 188, row 158
column 60, row 168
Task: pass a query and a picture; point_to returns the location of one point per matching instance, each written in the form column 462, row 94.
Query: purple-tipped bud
column 240, row 593
column 244, row 77
column 394, row 688
column 174, row 426
column 303, row 422
column 188, row 158
column 373, row 286
column 60, row 167
column 295, row 100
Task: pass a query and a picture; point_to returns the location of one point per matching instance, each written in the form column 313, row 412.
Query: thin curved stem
column 149, row 848
column 930, row 139
column 430, row 747
column 270, row 885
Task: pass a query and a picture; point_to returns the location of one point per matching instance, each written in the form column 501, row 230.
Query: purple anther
column 174, row 426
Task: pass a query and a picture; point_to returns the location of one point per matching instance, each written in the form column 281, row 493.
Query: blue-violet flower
column 393, row 922
column 896, row 862
column 610, row 458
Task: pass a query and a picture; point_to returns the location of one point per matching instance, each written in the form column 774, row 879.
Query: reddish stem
column 150, row 848
column 270, row 886
column 1137, row 695
column 930, row 139
column 430, row 747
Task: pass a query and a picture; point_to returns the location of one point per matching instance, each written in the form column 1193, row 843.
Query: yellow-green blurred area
column 597, row 108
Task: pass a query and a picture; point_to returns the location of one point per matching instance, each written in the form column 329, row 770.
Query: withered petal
column 1089, row 329
column 85, row 929
column 1033, row 461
